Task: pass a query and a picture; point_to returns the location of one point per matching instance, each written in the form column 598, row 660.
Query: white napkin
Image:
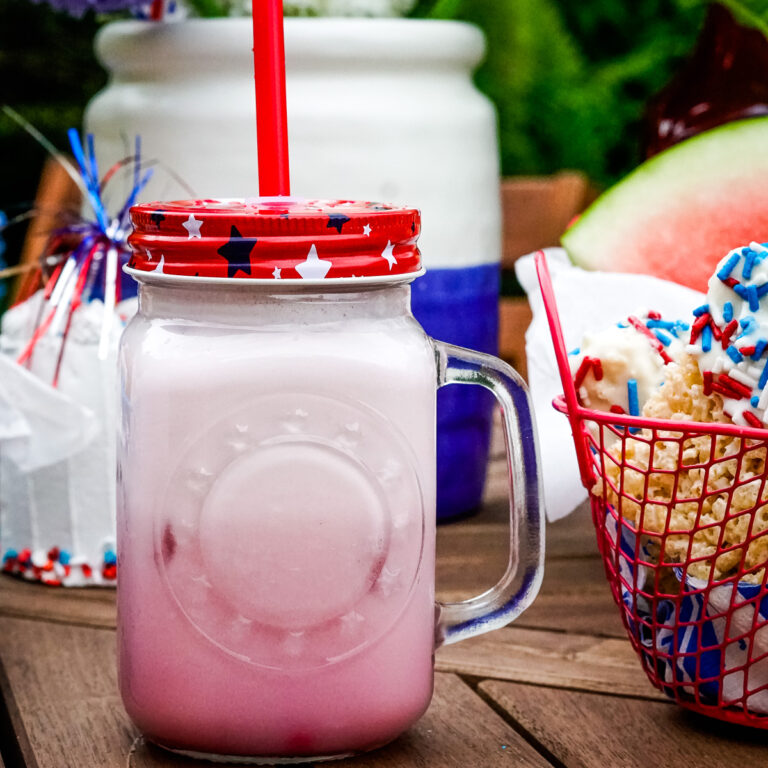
column 587, row 301
column 39, row 425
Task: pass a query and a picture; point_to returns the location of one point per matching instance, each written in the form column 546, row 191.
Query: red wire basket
column 681, row 514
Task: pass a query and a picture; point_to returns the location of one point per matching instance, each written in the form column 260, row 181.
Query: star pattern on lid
column 337, row 221
column 314, row 268
column 237, row 252
column 192, row 225
column 388, row 255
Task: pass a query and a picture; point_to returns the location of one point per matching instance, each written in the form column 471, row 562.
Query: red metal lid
column 275, row 238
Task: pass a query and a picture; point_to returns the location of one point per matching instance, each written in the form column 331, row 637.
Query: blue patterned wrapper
column 707, row 644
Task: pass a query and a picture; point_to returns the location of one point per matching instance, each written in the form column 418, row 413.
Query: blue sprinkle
column 749, row 263
column 702, row 310
column 665, row 324
column 64, row 557
column 634, row 402
column 575, row 351
column 10, row 554
column 110, row 558
column 727, row 311
column 622, row 325
column 663, row 338
column 762, row 290
column 763, row 377
column 740, row 290
column 727, row 268
column 754, row 299
column 734, row 354
column 748, row 325
column 754, row 401
column 706, row 338
column 759, row 349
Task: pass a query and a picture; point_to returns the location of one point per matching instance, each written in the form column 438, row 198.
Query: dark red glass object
column 725, row 79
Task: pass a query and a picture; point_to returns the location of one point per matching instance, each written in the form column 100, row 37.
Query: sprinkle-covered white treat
column 618, row 368
column 729, row 337
column 57, row 487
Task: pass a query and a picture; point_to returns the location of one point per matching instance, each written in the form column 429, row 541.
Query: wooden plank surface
column 63, row 683
column 92, row 606
column 588, row 730
column 582, row 662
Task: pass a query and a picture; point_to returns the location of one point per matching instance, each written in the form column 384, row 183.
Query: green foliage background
column 570, row 78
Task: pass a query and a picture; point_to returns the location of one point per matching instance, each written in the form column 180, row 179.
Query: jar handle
column 520, row 583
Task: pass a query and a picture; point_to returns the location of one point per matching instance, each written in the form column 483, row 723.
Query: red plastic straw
column 157, row 10
column 271, row 120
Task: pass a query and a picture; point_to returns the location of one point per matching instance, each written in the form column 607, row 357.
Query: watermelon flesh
column 676, row 215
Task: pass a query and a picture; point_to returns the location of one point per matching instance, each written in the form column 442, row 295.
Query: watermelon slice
column 680, row 212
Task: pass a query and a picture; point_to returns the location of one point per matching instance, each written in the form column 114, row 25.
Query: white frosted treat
column 618, row 368
column 729, row 336
column 57, row 448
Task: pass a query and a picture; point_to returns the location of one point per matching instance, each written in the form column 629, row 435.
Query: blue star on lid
column 337, row 221
column 237, row 252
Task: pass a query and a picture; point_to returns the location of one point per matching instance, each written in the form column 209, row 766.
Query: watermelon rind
column 680, row 212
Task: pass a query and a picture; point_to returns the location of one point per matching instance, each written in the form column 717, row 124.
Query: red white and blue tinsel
column 93, row 268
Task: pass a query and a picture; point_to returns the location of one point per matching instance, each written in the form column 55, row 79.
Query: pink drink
column 276, row 521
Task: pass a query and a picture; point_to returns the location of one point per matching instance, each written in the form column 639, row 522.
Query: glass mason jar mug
column 276, row 501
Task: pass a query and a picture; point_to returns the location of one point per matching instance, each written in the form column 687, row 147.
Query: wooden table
column 562, row 687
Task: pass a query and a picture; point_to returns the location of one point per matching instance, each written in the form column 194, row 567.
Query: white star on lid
column 388, row 255
column 160, row 265
column 367, row 230
column 313, row 268
column 276, row 273
column 192, row 225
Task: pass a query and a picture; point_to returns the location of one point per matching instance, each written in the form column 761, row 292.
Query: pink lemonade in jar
column 276, row 495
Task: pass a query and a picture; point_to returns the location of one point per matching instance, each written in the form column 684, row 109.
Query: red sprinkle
column 737, row 386
column 698, row 325
column 654, row 315
column 582, row 372
column 87, row 571
column 752, row 420
column 747, row 351
column 716, row 332
column 728, row 331
column 731, row 281
column 617, row 409
column 707, row 376
column 109, row 571
column 638, row 325
column 726, row 391
column 597, row 368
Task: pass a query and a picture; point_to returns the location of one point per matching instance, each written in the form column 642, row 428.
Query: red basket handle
column 561, row 355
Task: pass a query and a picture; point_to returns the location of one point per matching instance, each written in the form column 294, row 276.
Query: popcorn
column 726, row 506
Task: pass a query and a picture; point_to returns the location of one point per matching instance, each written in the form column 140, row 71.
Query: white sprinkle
column 763, row 403
column 744, row 377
